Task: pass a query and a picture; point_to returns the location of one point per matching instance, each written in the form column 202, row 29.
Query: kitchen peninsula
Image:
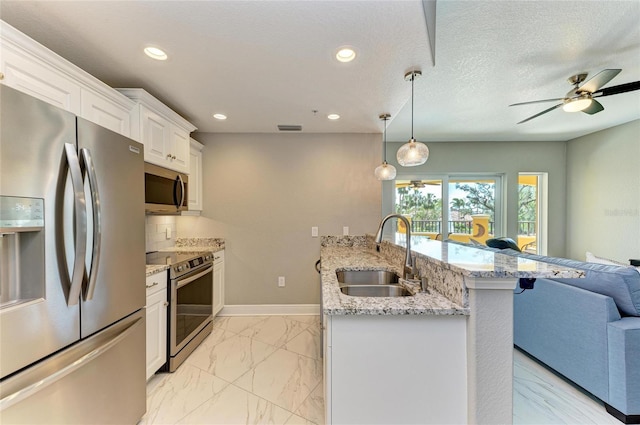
column 440, row 357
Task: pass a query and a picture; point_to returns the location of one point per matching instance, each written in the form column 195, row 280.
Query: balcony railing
column 527, row 228
column 465, row 226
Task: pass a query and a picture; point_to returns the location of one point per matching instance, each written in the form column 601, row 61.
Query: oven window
column 193, row 307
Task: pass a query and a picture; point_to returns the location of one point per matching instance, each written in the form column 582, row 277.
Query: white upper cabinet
column 29, row 67
column 195, row 176
column 164, row 133
column 101, row 111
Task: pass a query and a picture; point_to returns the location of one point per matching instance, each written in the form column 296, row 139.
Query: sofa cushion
column 620, row 283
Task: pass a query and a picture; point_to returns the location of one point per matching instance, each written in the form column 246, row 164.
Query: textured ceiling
column 265, row 63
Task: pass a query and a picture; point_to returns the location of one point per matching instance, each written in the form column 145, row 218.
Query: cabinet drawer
column 156, row 282
column 218, row 256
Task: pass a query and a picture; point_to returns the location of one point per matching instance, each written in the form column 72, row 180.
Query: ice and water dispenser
column 22, row 245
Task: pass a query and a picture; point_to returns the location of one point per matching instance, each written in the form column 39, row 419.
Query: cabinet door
column 195, row 177
column 156, row 331
column 218, row 282
column 101, row 111
column 26, row 74
column 155, row 137
column 179, row 149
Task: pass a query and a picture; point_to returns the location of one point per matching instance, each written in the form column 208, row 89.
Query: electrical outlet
column 345, row 231
column 168, row 233
column 281, row 281
column 314, row 232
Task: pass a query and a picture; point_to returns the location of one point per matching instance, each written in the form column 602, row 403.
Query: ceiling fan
column 582, row 97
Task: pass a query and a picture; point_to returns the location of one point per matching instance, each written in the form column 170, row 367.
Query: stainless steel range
column 190, row 296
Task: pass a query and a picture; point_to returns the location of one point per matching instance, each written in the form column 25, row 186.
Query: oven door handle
column 187, row 281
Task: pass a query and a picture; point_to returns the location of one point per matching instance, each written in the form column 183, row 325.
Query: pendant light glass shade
column 385, row 171
column 413, row 152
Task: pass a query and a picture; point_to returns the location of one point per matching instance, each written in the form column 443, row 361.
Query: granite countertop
column 481, row 263
column 151, row 270
column 357, row 258
column 194, row 245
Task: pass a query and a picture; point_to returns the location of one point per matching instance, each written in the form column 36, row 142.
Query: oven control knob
column 179, row 268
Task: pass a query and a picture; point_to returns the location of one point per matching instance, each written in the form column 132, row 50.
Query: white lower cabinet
column 218, row 282
column 156, row 322
column 395, row 369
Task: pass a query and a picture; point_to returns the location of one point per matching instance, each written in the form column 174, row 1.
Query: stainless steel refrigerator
column 72, row 268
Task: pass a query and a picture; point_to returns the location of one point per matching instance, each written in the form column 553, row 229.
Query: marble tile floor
column 267, row 370
column 250, row 370
column 542, row 397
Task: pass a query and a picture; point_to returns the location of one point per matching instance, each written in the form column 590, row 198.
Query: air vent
column 282, row 127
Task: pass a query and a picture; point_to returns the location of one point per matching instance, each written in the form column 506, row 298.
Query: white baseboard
column 270, row 310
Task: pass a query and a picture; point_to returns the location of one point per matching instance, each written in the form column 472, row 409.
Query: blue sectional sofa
column 587, row 330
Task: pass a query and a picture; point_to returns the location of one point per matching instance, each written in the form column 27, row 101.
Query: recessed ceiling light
column 155, row 53
column 346, row 54
column 220, row 116
column 333, row 116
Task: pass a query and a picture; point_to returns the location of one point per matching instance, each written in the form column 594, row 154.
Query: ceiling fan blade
column 541, row 113
column 599, row 80
column 537, row 101
column 622, row 88
column 594, row 108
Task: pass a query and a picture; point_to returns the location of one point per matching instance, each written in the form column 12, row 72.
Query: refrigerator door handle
column 34, row 387
column 97, row 228
column 80, row 211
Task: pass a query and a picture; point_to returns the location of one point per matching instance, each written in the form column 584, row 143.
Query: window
column 471, row 212
column 532, row 212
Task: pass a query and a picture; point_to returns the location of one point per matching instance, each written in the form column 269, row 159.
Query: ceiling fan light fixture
column 385, row 171
column 412, row 153
column 577, row 105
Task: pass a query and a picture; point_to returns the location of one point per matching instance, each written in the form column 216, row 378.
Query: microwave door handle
column 80, row 221
column 181, row 192
column 97, row 220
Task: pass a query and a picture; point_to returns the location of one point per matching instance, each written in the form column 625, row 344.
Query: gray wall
column 603, row 193
column 264, row 192
column 508, row 159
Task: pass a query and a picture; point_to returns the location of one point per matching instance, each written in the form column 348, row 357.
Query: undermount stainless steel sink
column 366, row 277
column 375, row 291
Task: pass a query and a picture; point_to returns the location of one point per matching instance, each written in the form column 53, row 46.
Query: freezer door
column 100, row 380
column 113, row 166
column 35, row 316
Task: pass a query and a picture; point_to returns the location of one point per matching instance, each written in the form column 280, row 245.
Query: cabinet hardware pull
column 152, row 285
column 168, row 156
column 166, row 304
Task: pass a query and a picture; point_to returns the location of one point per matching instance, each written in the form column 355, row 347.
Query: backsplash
column 156, row 232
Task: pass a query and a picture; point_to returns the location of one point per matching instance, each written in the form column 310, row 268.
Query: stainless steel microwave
column 165, row 191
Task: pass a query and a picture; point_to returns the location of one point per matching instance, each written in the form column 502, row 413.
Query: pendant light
column 412, row 153
column 385, row 171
